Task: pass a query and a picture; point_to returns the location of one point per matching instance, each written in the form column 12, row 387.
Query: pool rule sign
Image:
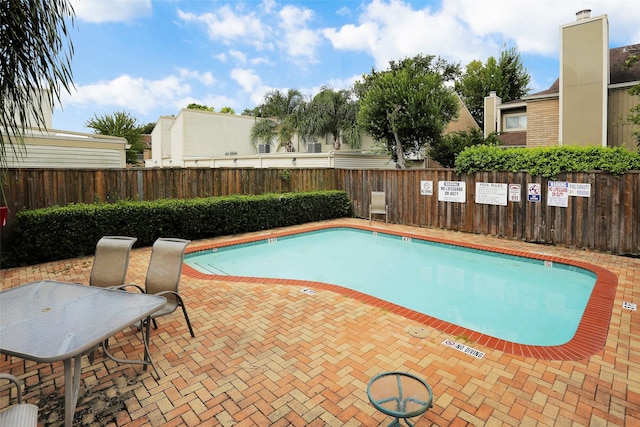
column 533, row 192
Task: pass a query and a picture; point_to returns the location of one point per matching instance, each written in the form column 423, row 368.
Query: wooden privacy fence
column 607, row 220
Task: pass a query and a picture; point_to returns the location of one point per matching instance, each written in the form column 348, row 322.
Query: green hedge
column 50, row 234
column 548, row 162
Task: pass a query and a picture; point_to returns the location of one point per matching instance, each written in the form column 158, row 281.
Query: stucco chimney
column 583, row 14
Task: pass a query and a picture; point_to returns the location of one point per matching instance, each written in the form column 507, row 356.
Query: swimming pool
column 525, row 302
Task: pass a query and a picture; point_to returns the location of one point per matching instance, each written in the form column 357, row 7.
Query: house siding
column 68, row 150
column 620, row 132
column 543, row 123
column 584, row 78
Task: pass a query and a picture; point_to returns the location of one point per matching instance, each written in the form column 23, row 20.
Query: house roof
column 617, row 73
column 554, row 89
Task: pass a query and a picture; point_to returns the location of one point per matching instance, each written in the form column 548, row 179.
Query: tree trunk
column 336, row 142
column 400, row 163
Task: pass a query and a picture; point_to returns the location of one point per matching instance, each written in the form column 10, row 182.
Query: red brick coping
column 590, row 336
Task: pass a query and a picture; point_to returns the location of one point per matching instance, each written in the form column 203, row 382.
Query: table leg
column 145, row 330
column 72, row 376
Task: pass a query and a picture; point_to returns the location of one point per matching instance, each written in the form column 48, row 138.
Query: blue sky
column 153, row 57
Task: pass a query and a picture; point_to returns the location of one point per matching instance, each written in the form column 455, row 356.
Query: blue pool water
column 511, row 298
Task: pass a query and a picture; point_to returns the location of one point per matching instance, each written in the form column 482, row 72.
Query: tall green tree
column 407, row 106
column 334, row 112
column 284, row 109
column 148, row 128
column 120, row 124
column 263, row 131
column 505, row 75
column 194, row 106
column 35, row 66
column 452, row 144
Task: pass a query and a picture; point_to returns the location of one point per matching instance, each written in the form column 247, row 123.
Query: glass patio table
column 49, row 321
column 401, row 395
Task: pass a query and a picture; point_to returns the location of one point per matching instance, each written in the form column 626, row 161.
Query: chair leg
column 186, row 317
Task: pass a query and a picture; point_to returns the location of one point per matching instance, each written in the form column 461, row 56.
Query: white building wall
column 212, row 134
column 161, row 140
column 176, row 139
column 41, row 97
column 59, row 149
column 197, row 138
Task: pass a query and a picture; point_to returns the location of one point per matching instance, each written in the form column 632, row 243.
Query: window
column 515, row 122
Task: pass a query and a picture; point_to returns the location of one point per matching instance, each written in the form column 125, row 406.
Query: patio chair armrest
column 125, row 286
column 174, row 293
column 16, row 382
column 177, row 295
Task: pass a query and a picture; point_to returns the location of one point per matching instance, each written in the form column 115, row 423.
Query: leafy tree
column 334, row 112
column 634, row 113
column 285, row 111
column 227, row 110
column 194, row 106
column 120, row 124
column 148, row 128
column 451, row 144
column 279, row 104
column 35, row 54
column 506, row 76
column 263, row 131
column 407, row 106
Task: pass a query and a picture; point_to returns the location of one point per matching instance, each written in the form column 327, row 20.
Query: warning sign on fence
column 558, row 194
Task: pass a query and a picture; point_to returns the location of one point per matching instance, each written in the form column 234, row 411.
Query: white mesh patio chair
column 378, row 205
column 163, row 276
column 111, row 261
column 19, row 414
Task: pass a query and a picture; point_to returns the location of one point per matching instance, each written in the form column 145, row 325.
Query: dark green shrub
column 49, row 234
column 450, row 145
column 547, row 162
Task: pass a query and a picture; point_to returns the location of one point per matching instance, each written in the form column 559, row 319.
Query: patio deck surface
column 271, row 355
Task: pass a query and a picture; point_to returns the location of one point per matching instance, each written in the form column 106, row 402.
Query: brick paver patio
column 271, row 355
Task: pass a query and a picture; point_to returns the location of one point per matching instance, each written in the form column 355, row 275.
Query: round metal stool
column 400, row 395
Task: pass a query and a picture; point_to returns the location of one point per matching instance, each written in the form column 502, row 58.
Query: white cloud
column 205, row 78
column 353, row 37
column 246, row 78
column 251, row 83
column 463, row 30
column 393, row 30
column 260, row 60
column 98, row 11
column 535, row 26
column 268, row 5
column 230, row 27
column 239, row 56
column 343, row 11
column 298, row 39
column 135, row 94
